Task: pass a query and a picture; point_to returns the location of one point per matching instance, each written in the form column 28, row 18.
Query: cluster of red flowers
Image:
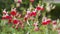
column 11, row 17
column 34, row 12
column 30, row 14
column 46, row 21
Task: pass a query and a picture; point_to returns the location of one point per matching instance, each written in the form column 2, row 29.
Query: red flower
column 54, row 22
column 15, row 21
column 44, row 23
column 38, row 8
column 13, row 13
column 32, row 1
column 48, row 21
column 34, row 13
column 8, row 17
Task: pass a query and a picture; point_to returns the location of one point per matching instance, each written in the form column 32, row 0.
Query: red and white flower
column 15, row 21
column 54, row 22
column 8, row 17
column 39, row 7
column 33, row 13
column 13, row 12
column 46, row 21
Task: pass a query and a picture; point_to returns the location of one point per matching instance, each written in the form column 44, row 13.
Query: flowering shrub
column 29, row 22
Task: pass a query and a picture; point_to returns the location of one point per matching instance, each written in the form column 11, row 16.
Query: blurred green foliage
column 56, row 12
